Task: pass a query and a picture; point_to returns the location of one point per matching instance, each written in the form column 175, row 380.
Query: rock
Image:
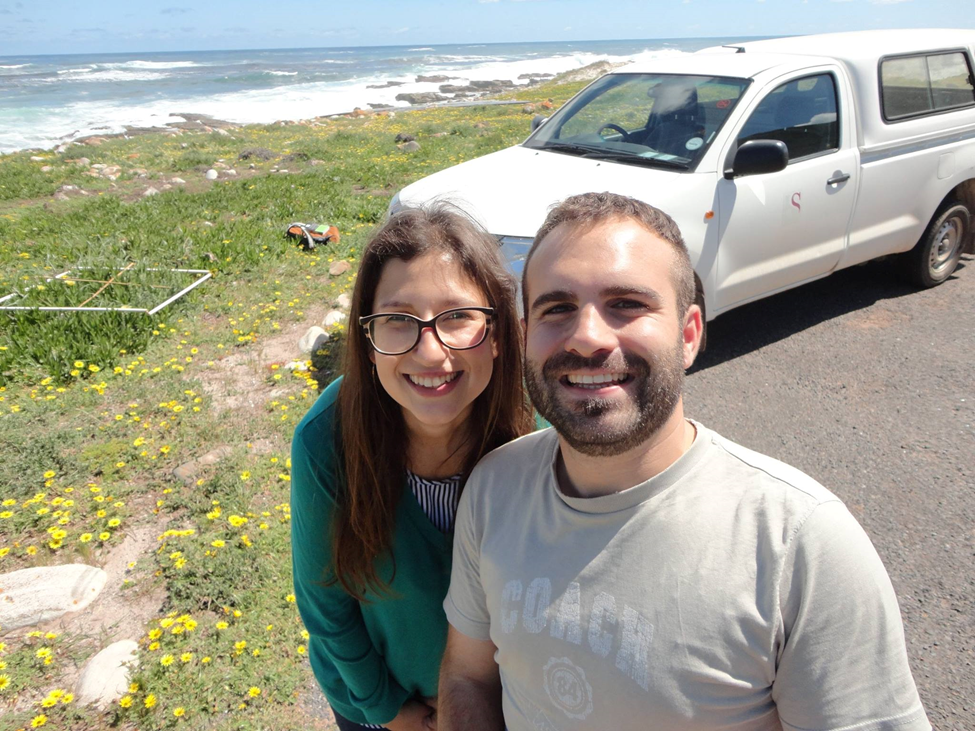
column 208, row 224
column 528, row 109
column 547, row 104
column 81, row 162
column 252, row 166
column 333, row 318
column 39, row 594
column 92, row 141
column 296, row 157
column 105, row 678
column 316, row 163
column 436, row 79
column 312, row 340
column 178, row 181
column 212, row 174
column 404, row 137
column 339, row 267
column 232, row 173
column 535, row 76
column 586, row 73
column 220, row 165
column 296, row 365
column 99, row 166
column 380, row 106
column 223, row 132
column 261, row 446
column 167, row 186
column 386, row 85
column 344, row 301
column 60, row 197
column 35, row 158
column 427, row 97
column 492, row 85
column 409, row 146
column 260, row 153
column 150, row 192
column 453, row 89
column 46, row 168
column 440, row 134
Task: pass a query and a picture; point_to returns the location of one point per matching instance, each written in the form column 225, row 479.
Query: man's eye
column 629, row 305
column 557, row 309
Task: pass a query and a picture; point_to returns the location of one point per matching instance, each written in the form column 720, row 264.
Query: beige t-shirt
column 730, row 591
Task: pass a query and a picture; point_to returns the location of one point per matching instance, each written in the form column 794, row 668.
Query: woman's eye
column 458, row 316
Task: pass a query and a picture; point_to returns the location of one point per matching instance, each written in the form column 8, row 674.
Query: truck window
column 801, row 113
column 912, row 86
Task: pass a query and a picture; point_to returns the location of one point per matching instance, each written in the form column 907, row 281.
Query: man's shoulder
column 761, row 471
column 519, row 462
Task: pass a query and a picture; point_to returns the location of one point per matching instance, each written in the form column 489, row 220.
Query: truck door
column 783, row 228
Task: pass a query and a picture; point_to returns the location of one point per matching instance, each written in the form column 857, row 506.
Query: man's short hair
column 589, row 209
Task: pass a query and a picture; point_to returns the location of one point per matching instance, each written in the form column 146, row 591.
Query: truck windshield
column 656, row 120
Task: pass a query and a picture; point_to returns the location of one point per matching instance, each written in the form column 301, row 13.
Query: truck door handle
column 837, row 179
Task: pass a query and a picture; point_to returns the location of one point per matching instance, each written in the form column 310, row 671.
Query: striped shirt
column 438, row 498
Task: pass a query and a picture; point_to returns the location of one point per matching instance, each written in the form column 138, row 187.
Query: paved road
column 869, row 386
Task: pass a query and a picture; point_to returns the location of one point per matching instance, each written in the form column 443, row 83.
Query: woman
column 432, row 382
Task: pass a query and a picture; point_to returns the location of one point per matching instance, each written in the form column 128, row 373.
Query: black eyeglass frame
column 423, row 325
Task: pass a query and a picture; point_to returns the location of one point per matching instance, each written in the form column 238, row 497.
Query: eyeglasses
column 396, row 333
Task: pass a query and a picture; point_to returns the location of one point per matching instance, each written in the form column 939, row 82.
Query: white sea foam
column 47, row 127
column 16, row 66
column 423, row 48
column 282, row 73
column 153, row 65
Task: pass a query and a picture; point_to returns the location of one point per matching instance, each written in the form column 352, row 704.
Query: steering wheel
column 615, row 128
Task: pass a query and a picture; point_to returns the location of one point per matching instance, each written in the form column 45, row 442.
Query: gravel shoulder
column 866, row 384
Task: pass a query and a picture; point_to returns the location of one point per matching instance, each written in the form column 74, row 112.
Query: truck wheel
column 937, row 253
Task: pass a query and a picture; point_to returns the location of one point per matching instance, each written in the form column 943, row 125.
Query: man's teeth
column 434, row 382
column 595, row 381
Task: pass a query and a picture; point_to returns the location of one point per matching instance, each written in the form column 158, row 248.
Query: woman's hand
column 413, row 716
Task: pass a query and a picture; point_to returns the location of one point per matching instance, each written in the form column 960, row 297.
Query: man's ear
column 693, row 330
column 524, row 332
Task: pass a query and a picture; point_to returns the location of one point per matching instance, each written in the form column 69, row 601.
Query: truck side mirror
column 758, row 157
column 538, row 120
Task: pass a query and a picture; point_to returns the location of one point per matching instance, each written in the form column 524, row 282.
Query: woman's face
column 424, row 287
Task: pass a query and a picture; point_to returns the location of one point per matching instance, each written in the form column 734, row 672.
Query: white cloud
column 888, row 2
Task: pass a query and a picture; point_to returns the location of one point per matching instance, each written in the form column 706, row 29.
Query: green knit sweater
column 368, row 658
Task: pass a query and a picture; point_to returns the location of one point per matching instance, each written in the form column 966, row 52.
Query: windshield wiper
column 567, row 147
column 627, row 157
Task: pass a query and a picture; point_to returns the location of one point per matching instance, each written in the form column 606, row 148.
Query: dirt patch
column 875, row 319
column 239, row 382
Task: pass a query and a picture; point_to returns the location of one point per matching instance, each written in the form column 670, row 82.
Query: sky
column 32, row 27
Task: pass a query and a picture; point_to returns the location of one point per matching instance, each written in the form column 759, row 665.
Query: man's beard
column 601, row 427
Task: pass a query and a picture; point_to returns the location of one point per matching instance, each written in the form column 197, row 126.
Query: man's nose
column 429, row 349
column 591, row 333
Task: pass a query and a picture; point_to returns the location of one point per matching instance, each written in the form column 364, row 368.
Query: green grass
column 97, row 409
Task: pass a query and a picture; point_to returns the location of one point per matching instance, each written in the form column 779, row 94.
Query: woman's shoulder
column 318, row 425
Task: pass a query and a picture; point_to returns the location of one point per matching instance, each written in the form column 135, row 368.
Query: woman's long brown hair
column 371, row 437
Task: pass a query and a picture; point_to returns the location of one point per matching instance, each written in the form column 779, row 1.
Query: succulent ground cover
column 98, row 409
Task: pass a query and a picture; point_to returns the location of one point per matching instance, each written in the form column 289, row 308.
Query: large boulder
column 428, row 97
column 105, row 678
column 312, row 340
column 35, row 595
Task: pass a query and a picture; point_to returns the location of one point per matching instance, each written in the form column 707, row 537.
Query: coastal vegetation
column 156, row 446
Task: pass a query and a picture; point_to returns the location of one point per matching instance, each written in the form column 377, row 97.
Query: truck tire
column 937, row 253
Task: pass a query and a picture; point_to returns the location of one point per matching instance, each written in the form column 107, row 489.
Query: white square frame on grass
column 205, row 275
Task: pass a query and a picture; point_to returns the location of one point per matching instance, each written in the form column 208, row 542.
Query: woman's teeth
column 595, row 381
column 434, row 382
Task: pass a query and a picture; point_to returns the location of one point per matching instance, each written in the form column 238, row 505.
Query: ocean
column 49, row 100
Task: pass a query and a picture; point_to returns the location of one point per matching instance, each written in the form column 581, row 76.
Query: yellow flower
column 67, row 698
column 167, row 622
column 254, row 692
column 49, row 474
column 38, row 721
column 222, row 625
column 190, row 625
column 104, row 536
column 150, row 700
column 85, row 537
column 186, row 657
column 153, row 646
column 125, row 701
column 301, row 649
column 79, row 364
column 239, row 646
column 205, row 660
column 154, row 634
column 43, row 652
column 218, row 544
column 48, row 702
column 4, row 681
column 290, row 598
column 166, row 661
column 179, row 712
column 134, row 688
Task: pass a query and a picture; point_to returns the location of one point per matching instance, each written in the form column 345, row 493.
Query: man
column 631, row 569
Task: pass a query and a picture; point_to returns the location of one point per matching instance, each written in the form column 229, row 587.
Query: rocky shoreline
column 477, row 91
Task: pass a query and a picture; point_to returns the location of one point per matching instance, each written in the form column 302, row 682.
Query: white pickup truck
column 781, row 160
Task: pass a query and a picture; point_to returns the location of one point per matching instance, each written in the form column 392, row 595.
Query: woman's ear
column 372, row 356
column 494, row 346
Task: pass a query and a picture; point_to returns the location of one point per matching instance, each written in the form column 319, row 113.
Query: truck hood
column 510, row 191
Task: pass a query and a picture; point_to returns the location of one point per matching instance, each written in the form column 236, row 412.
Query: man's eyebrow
column 625, row 291
column 556, row 295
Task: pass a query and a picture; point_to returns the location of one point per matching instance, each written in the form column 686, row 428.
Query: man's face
column 605, row 348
